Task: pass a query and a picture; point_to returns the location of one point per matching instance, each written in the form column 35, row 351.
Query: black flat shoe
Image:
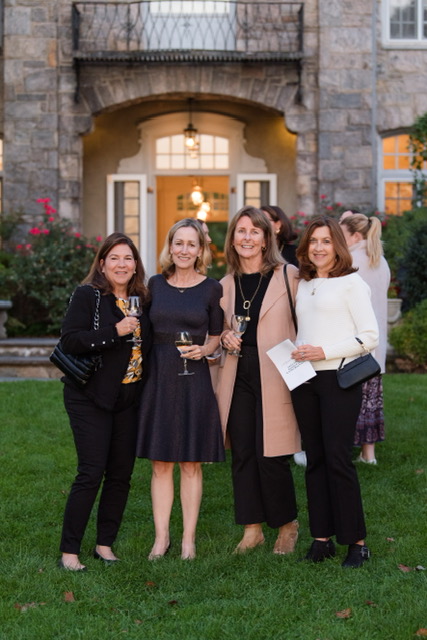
column 320, row 550
column 356, row 556
column 98, row 556
column 61, row 565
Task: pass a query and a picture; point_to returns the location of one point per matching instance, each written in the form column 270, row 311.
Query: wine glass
column 183, row 339
column 134, row 309
column 238, row 325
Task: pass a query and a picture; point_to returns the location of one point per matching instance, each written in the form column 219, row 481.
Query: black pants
column 327, row 418
column 263, row 487
column 105, row 443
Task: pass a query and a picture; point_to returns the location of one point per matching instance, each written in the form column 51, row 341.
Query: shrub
column 409, row 338
column 413, row 270
column 43, row 271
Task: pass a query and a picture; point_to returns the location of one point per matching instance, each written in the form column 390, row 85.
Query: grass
column 219, row 596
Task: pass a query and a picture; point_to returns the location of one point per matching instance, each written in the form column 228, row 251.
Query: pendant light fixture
column 191, row 140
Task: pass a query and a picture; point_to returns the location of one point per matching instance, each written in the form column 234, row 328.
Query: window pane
column 398, row 197
column 213, row 153
column 163, row 162
column 221, row 162
column 131, row 226
column 177, row 161
column 163, row 145
column 403, row 21
column 131, row 190
column 177, row 144
column 206, row 144
column 131, row 207
column 206, row 162
column 221, row 144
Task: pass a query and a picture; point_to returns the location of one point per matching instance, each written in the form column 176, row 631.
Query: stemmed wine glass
column 134, row 309
column 238, row 325
column 183, row 339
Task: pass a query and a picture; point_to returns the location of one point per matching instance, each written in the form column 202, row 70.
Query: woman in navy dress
column 179, row 420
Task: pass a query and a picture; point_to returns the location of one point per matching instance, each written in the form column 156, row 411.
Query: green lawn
column 218, row 596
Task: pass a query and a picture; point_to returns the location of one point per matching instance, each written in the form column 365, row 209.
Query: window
column 171, row 153
column 395, row 176
column 127, row 208
column 256, row 189
column 405, row 22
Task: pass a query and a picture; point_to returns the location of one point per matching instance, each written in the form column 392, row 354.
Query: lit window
column 395, row 175
column 171, row 154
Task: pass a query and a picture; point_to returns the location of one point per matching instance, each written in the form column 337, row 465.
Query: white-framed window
column 127, row 208
column 254, row 189
column 395, row 175
column 212, row 154
column 405, row 23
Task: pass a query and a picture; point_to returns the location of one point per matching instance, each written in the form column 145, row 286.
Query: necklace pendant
column 247, row 318
column 246, row 304
column 313, row 292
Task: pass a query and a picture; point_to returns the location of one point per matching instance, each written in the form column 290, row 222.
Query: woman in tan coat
column 254, row 402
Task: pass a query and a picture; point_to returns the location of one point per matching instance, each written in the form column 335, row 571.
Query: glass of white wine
column 134, row 309
column 238, row 325
column 183, row 339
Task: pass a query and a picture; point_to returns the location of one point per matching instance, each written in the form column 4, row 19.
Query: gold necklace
column 317, row 286
column 247, row 303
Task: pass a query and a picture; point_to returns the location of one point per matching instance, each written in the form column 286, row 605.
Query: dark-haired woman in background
column 103, row 414
column 282, row 229
column 335, row 316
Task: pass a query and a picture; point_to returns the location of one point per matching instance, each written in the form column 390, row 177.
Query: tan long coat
column 281, row 434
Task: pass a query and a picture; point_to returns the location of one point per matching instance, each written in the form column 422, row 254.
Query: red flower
column 322, row 196
column 19, row 247
column 51, row 219
column 98, row 238
column 77, row 234
column 34, row 231
column 43, row 200
column 45, row 231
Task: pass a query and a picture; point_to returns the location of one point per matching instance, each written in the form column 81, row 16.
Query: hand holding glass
column 134, row 309
column 238, row 326
column 183, row 339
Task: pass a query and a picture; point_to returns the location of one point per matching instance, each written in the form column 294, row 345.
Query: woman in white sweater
column 334, row 313
column 363, row 237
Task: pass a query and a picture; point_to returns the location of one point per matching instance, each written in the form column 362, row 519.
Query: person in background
column 283, row 231
column 179, row 420
column 255, row 404
column 335, row 316
column 363, row 237
column 103, row 415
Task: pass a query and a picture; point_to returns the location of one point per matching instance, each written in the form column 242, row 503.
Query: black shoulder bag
column 357, row 371
column 291, row 302
column 78, row 368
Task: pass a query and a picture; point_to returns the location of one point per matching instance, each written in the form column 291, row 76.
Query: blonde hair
column 370, row 229
column 201, row 264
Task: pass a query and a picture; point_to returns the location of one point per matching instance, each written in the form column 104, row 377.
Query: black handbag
column 357, row 371
column 78, row 368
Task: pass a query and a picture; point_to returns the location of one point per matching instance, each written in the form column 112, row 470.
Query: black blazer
column 78, row 336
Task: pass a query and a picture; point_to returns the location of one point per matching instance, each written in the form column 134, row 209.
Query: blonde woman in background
column 363, row 237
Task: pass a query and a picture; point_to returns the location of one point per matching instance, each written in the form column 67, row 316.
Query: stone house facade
column 311, row 103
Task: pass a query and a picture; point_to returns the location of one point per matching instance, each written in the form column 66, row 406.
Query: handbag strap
column 291, row 302
column 97, row 304
column 363, row 346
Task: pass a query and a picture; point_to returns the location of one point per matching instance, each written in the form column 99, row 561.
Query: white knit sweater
column 339, row 310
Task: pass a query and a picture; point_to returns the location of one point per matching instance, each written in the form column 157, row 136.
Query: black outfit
column 102, row 417
column 289, row 253
column 333, row 491
column 179, row 419
column 263, row 486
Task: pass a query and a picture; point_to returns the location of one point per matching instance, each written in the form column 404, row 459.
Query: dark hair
column 286, row 233
column 271, row 257
column 201, row 264
column 96, row 278
column 343, row 261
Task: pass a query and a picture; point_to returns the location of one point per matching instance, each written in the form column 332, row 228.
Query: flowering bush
column 44, row 268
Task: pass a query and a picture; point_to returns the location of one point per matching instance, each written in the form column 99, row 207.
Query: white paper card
column 293, row 373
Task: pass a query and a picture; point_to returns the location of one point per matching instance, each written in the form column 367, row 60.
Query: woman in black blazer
column 103, row 413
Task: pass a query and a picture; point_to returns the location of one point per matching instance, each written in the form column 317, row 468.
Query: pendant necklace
column 247, row 303
column 318, row 285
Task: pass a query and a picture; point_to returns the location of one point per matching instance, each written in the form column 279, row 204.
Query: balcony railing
column 187, row 31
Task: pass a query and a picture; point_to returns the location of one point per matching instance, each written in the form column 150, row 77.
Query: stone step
column 27, row 358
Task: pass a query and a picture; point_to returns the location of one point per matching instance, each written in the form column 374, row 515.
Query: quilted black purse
column 78, row 368
column 357, row 371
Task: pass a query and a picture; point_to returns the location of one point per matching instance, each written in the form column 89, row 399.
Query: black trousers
column 105, row 442
column 263, row 487
column 327, row 418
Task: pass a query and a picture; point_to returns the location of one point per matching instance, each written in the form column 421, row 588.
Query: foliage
column 43, row 271
column 418, row 150
column 414, row 268
column 409, row 337
column 398, row 231
column 219, row 595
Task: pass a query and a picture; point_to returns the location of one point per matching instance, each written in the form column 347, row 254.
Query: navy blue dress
column 179, row 418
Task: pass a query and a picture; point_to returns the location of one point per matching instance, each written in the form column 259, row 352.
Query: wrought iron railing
column 174, row 30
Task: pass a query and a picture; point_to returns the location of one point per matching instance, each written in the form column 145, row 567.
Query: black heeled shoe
column 107, row 561
column 320, row 550
column 357, row 555
column 61, row 565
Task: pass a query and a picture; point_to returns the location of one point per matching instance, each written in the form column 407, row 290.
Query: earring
column 263, row 248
